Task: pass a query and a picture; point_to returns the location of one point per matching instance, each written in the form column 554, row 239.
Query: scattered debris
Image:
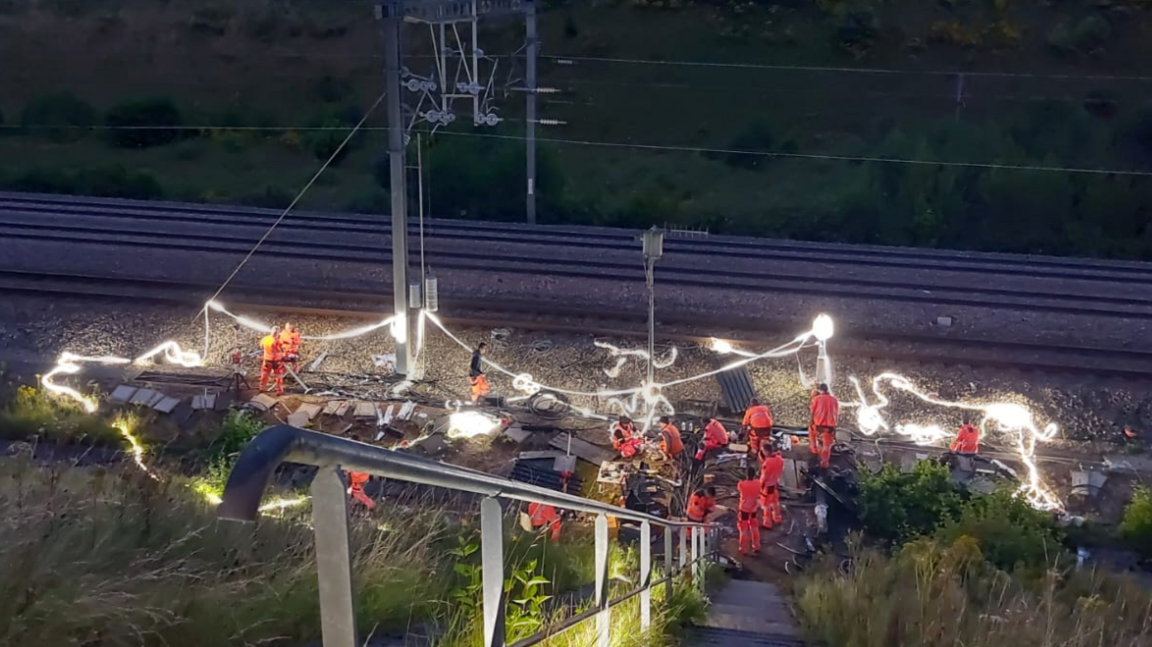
column 206, row 401
column 584, row 450
column 262, row 402
column 316, row 362
column 122, row 394
column 166, row 404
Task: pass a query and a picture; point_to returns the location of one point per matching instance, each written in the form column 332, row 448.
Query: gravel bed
column 1086, row 408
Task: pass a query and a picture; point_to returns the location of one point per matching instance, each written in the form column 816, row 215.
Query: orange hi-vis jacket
column 626, row 431
column 771, row 469
column 825, row 410
column 670, row 442
column 272, row 349
column 542, row 514
column 356, row 480
column 290, row 342
column 967, row 440
column 749, row 490
column 715, row 435
column 758, row 417
column 699, row 507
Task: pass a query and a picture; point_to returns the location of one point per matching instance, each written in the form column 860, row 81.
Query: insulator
column 431, row 294
column 414, row 294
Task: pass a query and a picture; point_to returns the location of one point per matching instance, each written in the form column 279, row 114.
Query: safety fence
column 697, row 543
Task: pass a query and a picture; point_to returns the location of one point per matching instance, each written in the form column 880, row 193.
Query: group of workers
column 281, row 350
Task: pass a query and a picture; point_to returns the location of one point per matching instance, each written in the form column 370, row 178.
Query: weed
column 36, row 413
column 144, row 123
column 60, row 116
column 1010, row 533
column 1136, row 527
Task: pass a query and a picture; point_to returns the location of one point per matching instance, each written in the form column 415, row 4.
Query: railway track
column 532, row 315
column 1061, row 287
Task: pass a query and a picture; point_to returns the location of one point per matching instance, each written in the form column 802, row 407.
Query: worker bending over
column 746, row 522
column 967, row 439
column 290, row 343
column 542, row 515
column 356, row 483
column 758, row 425
column 476, row 377
column 702, row 506
column 771, row 469
column 822, row 430
column 715, row 438
column 273, row 363
column 625, row 439
column 671, row 445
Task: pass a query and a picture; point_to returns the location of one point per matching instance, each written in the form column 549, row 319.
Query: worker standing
column 967, row 439
column 625, row 439
column 822, row 431
column 746, row 522
column 715, row 438
column 758, row 425
column 542, row 515
column 671, row 445
column 476, row 377
column 272, row 363
column 771, row 469
column 290, row 341
column 702, row 505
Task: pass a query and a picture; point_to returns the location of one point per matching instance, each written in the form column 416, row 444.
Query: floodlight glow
column 469, row 424
column 823, row 328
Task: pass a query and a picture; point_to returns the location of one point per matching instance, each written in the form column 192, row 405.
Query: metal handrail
column 283, row 443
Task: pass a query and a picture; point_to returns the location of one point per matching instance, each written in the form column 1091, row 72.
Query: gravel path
column 1086, row 408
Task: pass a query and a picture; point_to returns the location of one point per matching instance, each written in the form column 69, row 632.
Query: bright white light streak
column 1008, row 417
column 258, row 326
column 469, row 424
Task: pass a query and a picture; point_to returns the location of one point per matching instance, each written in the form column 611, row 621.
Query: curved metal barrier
column 333, row 455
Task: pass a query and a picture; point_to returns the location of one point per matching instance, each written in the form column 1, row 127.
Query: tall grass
column 113, row 557
column 930, row 594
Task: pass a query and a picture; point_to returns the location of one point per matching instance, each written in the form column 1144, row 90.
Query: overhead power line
column 849, row 70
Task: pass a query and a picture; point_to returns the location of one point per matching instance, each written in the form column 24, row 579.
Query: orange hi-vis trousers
column 749, row 531
column 770, row 505
column 479, row 387
column 275, row 368
column 824, row 438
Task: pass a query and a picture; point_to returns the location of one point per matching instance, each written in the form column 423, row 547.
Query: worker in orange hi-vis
column 290, row 341
column 702, row 506
column 671, row 445
column 967, row 439
column 758, row 425
column 476, row 377
column 542, row 515
column 771, row 469
column 715, row 438
column 825, row 410
column 625, row 439
column 273, row 363
column 746, row 522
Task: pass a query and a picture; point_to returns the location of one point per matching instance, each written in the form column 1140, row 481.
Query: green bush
column 1136, row 527
column 60, row 116
column 35, row 413
column 329, row 128
column 1011, row 534
column 144, row 123
column 858, row 28
column 1089, row 34
column 270, row 197
column 898, row 506
column 112, row 181
column 757, row 136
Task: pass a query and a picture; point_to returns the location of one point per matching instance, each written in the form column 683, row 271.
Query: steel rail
column 543, row 266
column 330, row 518
column 604, row 235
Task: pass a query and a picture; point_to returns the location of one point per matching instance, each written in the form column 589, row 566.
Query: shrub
column 333, row 90
column 61, row 116
column 144, row 123
column 113, row 181
column 34, row 412
column 1087, row 35
column 898, row 506
column 329, row 128
column 858, row 29
column 1136, row 527
column 756, row 136
column 1010, row 532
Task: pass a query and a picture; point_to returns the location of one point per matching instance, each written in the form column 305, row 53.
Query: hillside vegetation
column 240, row 101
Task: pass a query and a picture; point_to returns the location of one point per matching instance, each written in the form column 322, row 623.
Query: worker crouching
column 715, row 439
column 746, row 521
column 625, row 439
column 671, row 444
column 771, row 469
column 822, row 429
column 273, row 362
column 967, row 441
column 702, row 506
column 543, row 515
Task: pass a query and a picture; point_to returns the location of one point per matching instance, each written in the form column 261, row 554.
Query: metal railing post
column 604, row 618
column 492, row 565
column 683, row 532
column 697, row 539
column 645, row 575
column 333, row 559
column 668, row 563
